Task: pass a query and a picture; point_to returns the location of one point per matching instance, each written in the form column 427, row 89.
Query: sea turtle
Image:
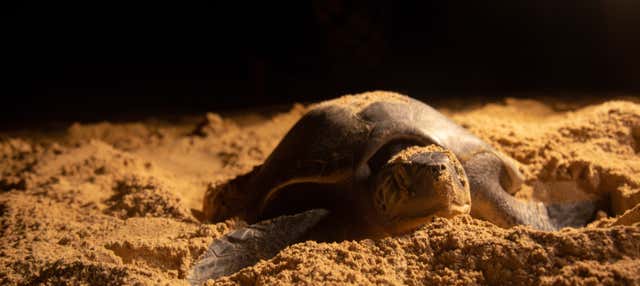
column 382, row 163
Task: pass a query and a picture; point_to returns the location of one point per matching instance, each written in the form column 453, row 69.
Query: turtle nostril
column 442, row 167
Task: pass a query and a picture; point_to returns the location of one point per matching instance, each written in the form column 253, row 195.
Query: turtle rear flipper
column 246, row 246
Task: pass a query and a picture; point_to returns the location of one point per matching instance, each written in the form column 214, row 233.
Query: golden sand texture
column 111, row 204
column 594, row 149
column 459, row 251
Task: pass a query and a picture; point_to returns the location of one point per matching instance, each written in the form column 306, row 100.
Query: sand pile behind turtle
column 121, row 203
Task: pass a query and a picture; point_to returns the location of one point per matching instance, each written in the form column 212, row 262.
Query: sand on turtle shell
column 111, row 204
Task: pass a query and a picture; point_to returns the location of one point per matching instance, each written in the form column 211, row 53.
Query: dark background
column 92, row 61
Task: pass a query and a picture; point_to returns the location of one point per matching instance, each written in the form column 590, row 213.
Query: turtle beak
column 410, row 192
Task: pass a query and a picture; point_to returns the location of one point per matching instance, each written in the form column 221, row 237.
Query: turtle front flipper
column 572, row 214
column 493, row 203
column 510, row 177
column 246, row 246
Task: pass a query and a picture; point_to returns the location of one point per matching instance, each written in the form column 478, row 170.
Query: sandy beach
column 121, row 203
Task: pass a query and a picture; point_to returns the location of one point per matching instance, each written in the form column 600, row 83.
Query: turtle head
column 417, row 184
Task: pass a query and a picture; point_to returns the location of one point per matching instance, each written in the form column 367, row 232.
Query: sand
column 110, row 204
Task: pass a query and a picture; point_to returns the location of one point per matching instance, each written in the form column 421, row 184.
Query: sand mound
column 121, row 204
column 589, row 152
column 459, row 251
column 145, row 197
